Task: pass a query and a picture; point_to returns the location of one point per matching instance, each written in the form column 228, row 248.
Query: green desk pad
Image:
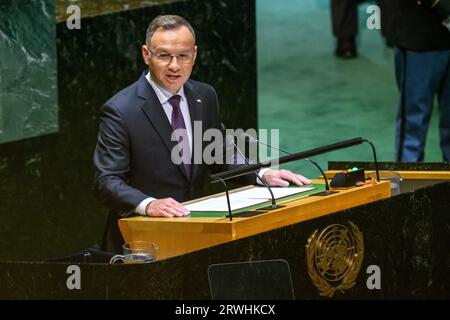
column 218, row 214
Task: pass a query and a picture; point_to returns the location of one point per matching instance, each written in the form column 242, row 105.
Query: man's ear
column 145, row 54
column 195, row 54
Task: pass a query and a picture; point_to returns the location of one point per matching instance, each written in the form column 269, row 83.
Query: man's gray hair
column 167, row 22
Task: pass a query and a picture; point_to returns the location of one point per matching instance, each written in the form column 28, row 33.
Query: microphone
column 274, row 205
column 232, row 143
column 296, row 156
column 332, row 147
column 327, row 186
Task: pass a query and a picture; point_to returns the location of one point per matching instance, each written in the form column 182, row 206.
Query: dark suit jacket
column 415, row 27
column 133, row 153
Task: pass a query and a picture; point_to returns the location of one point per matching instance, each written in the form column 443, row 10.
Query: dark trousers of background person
column 344, row 16
column 421, row 76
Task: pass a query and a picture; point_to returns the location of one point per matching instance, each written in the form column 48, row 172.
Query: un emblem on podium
column 334, row 257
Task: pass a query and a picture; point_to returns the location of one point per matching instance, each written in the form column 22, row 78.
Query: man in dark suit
column 135, row 168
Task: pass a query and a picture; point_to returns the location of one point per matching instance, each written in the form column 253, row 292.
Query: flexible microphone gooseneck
column 296, row 156
column 374, row 153
column 327, row 186
column 274, row 204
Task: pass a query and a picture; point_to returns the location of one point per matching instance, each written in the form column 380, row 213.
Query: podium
column 391, row 238
column 404, row 239
column 178, row 236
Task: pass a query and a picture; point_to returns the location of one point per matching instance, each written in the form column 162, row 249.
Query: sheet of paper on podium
column 243, row 199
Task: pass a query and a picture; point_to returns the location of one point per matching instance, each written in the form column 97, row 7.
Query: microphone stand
column 327, row 186
column 374, row 158
column 233, row 173
column 274, row 204
column 228, row 198
column 271, row 207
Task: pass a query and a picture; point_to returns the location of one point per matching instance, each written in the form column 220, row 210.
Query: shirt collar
column 162, row 94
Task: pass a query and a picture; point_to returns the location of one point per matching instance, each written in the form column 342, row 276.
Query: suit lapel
column 156, row 115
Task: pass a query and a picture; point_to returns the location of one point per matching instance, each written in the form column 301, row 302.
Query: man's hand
column 166, row 207
column 282, row 178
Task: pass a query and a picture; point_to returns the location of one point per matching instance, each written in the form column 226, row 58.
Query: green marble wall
column 28, row 82
column 47, row 208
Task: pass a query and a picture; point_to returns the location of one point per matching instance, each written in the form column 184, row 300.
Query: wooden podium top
column 177, row 236
column 407, row 175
